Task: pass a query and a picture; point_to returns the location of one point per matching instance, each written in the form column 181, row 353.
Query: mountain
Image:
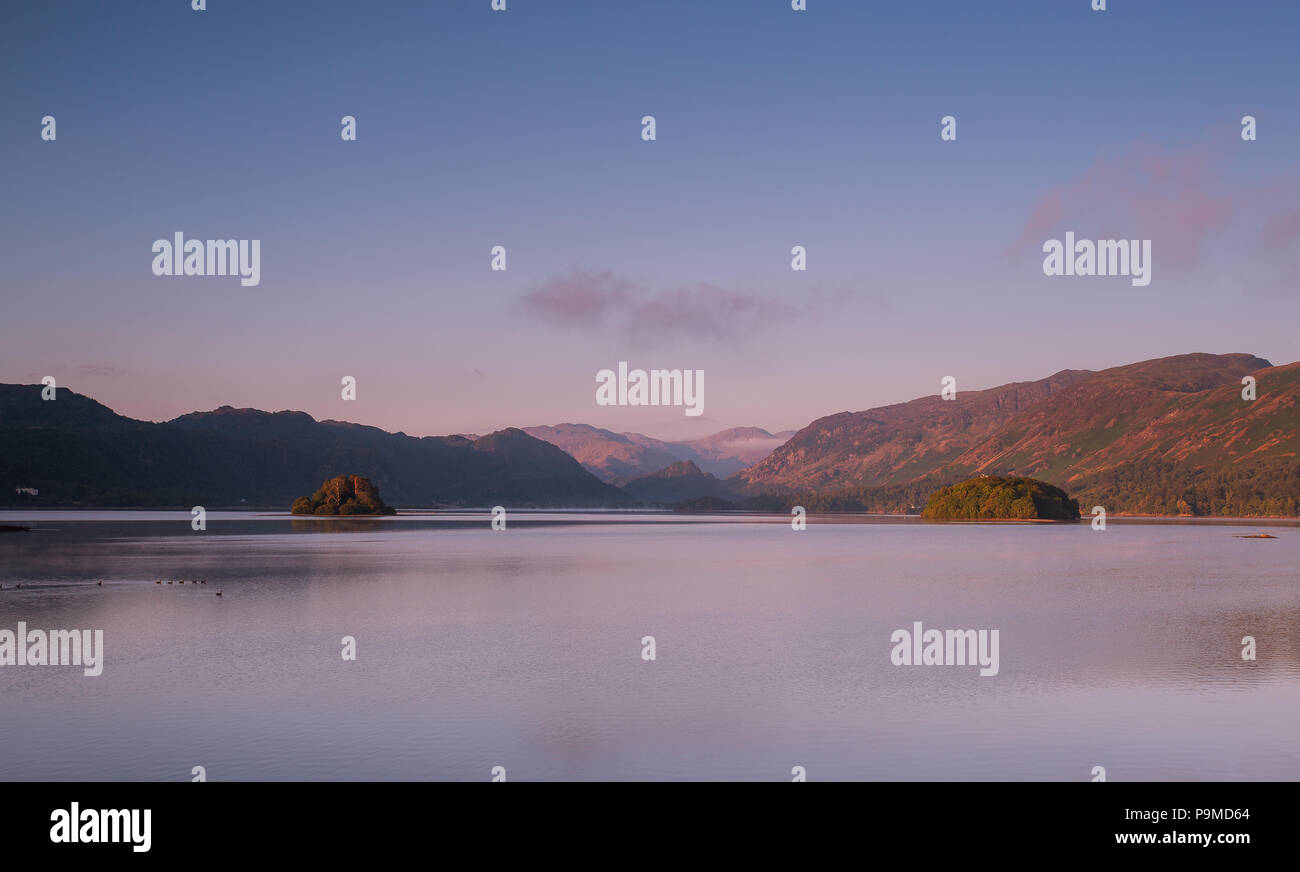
column 77, row 451
column 617, row 457
column 679, row 481
column 730, row 451
column 1165, row 436
column 894, row 444
column 606, row 454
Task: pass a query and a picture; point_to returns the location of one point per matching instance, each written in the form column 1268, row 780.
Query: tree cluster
column 343, row 495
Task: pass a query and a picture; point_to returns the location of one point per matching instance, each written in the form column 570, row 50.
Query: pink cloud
column 1176, row 198
column 646, row 317
column 705, row 312
column 1281, row 232
column 581, row 298
column 90, row 370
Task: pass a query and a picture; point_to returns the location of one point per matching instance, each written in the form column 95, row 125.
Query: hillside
column 1163, row 436
column 895, row 444
column 77, row 451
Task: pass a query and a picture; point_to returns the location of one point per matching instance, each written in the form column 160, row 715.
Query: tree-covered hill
column 343, row 495
column 999, row 498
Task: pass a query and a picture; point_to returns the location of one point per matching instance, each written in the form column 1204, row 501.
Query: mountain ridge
column 76, row 450
column 1165, row 436
column 1173, row 435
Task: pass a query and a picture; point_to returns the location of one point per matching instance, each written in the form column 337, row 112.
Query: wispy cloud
column 581, row 299
column 645, row 317
column 1187, row 201
column 1281, row 232
column 1175, row 197
column 86, row 370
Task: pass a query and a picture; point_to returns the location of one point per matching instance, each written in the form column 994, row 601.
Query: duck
column 159, row 581
column 169, row 582
column 218, row 593
column 204, row 581
column 100, row 583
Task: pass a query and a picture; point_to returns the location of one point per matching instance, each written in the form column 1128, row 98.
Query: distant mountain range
column 73, row 450
column 622, row 457
column 1167, row 436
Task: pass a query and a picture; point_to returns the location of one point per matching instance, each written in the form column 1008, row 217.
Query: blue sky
column 775, row 128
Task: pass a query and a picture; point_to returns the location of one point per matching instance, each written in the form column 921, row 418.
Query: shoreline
column 21, row 517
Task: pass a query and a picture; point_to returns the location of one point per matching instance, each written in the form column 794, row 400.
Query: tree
column 343, row 495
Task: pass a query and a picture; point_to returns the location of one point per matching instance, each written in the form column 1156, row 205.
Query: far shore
column 12, row 516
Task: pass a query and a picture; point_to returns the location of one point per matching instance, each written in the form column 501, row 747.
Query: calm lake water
column 523, row 649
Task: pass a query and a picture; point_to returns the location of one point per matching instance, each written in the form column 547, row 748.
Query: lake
column 524, row 648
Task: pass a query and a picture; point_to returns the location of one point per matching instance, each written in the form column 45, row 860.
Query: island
column 343, row 495
column 999, row 498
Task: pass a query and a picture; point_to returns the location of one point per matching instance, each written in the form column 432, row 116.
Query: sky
column 523, row 128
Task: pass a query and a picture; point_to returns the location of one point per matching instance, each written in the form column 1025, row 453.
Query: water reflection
column 335, row 525
column 522, row 647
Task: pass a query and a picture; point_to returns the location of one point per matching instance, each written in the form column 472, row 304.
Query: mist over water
column 522, row 649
